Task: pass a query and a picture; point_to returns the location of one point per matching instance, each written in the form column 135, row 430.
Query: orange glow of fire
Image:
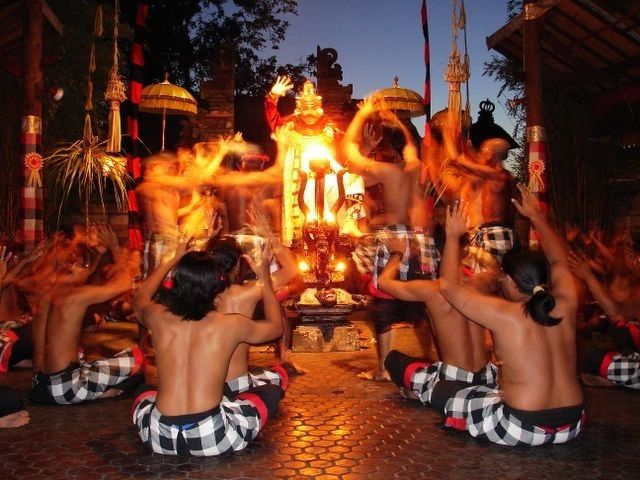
column 303, row 266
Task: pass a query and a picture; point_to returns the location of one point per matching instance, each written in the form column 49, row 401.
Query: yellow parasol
column 405, row 103
column 167, row 99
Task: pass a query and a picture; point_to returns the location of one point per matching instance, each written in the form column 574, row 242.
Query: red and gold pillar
column 31, row 216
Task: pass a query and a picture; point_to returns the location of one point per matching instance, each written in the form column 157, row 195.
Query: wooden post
column 31, row 221
column 536, row 138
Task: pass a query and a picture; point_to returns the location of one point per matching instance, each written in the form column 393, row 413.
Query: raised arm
column 486, row 310
column 280, row 88
column 120, row 282
column 411, row 290
column 146, row 291
column 356, row 162
column 271, row 328
column 562, row 283
column 616, row 311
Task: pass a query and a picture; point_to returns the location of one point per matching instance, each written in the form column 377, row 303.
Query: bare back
column 159, row 204
column 545, row 376
column 192, row 359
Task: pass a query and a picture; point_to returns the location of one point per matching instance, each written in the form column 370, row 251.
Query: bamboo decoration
column 115, row 93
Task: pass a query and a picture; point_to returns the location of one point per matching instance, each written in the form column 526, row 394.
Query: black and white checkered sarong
column 88, row 380
column 480, row 411
column 424, row 379
column 256, row 377
column 230, row 427
column 623, row 370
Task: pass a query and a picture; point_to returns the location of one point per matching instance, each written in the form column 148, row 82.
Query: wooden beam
column 53, row 20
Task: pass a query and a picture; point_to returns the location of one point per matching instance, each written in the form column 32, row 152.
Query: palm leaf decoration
column 86, row 165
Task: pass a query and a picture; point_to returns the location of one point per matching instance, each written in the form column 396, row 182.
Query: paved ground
column 331, row 425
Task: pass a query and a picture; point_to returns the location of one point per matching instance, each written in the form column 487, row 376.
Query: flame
column 303, row 266
column 314, row 150
column 340, row 266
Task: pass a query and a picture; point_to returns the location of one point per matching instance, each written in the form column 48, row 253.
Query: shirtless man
column 539, row 399
column 605, row 367
column 400, row 179
column 188, row 414
column 242, row 298
column 159, row 198
column 63, row 379
column 487, row 190
column 461, row 343
column 12, row 411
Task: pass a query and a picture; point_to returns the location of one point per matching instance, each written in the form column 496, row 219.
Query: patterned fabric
column 229, row 427
column 487, row 376
column 480, row 411
column 31, row 213
column 158, row 249
column 495, row 239
column 86, row 380
column 623, row 370
column 423, row 378
column 257, row 377
column 478, row 408
column 421, row 257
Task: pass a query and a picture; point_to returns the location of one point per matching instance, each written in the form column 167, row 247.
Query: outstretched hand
column 369, row 139
column 183, row 244
column 579, row 265
column 458, row 221
column 282, row 86
column 396, row 243
column 259, row 223
column 260, row 264
column 4, row 261
column 107, row 236
column 529, row 206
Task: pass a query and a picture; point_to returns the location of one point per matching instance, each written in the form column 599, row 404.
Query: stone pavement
column 330, row 425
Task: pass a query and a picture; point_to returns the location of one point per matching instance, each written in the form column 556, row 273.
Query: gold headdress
column 308, row 99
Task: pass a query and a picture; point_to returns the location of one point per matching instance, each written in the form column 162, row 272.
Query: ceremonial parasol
column 167, row 99
column 406, row 103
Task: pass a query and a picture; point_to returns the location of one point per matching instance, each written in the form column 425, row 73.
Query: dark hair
column 226, row 251
column 197, row 279
column 529, row 270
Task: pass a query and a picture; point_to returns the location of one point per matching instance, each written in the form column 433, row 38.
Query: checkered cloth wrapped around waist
column 228, row 428
column 421, row 257
column 623, row 370
column 88, row 380
column 480, row 411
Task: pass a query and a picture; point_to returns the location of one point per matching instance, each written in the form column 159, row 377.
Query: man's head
column 494, row 151
column 161, row 164
column 227, row 252
column 308, row 104
column 197, row 279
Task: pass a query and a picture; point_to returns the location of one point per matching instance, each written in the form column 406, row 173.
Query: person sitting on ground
column 606, row 367
column 539, row 399
column 242, row 297
column 188, row 413
column 12, row 411
column 64, row 379
column 461, row 343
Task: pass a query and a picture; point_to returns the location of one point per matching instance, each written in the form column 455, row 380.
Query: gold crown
column 308, row 99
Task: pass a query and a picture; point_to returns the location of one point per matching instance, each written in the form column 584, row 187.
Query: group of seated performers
column 197, row 302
